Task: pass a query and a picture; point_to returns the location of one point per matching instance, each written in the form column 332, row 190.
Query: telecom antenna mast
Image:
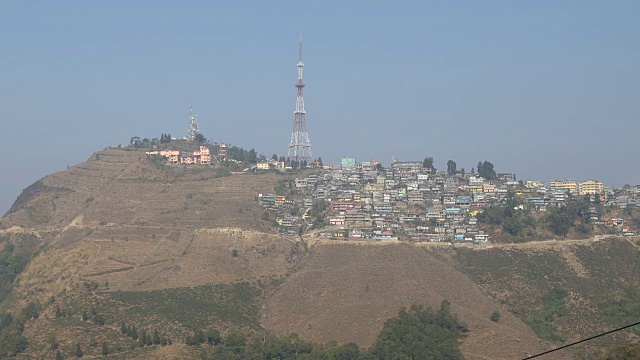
column 300, row 146
column 193, row 125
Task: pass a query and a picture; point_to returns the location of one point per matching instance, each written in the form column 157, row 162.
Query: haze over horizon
column 545, row 90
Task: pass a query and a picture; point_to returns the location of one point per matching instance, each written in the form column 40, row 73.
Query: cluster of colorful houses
column 198, row 156
column 202, row 155
column 365, row 200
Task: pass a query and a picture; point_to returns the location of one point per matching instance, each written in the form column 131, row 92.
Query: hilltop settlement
column 414, row 201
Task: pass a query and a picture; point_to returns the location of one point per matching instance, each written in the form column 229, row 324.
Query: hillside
column 347, row 292
column 125, row 239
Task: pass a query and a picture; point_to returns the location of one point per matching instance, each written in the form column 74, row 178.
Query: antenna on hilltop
column 193, row 125
column 300, row 146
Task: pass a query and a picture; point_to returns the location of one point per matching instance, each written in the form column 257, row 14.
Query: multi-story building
column 222, row 151
column 171, row 155
column 202, row 155
column 348, row 162
column 570, row 186
column 591, row 187
column 534, row 184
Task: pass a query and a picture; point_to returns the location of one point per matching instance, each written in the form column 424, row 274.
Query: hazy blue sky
column 545, row 89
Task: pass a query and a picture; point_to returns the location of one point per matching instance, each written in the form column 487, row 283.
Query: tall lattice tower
column 300, row 146
column 193, row 125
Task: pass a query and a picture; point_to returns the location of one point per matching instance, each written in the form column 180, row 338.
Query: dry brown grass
column 347, row 292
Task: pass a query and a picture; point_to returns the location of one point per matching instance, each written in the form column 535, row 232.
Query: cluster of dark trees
column 297, row 164
column 416, row 333
column 11, row 340
column 95, row 317
column 575, row 213
column 12, row 261
column 485, row 170
column 240, row 154
column 451, row 167
column 200, row 139
column 211, row 337
column 144, row 338
column 165, row 138
column 517, row 220
column 428, row 163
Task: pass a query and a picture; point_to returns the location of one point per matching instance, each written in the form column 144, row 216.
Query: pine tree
column 129, row 333
column 134, row 333
column 84, row 315
column 105, row 351
column 59, row 356
column 123, row 328
column 143, row 338
column 58, row 313
column 78, row 351
column 156, row 337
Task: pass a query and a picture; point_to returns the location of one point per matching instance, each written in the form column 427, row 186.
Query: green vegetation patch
column 543, row 287
column 197, row 307
column 542, row 321
column 416, row 333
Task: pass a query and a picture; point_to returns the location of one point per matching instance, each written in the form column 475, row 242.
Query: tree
column 451, row 167
column 512, row 226
column 319, row 161
column 485, row 170
column 235, row 339
column 59, row 356
column 53, row 341
column 134, row 333
column 156, row 337
column 495, row 317
column 123, row 328
column 213, row 337
column 143, row 338
column 428, row 162
column 490, row 173
column 105, row 350
column 135, row 141
column 274, row 157
column 78, row 350
column 199, row 138
column 58, row 312
column 84, row 315
column 462, row 172
column 97, row 319
column 252, row 156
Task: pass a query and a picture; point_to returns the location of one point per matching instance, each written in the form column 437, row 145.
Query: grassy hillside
column 347, row 292
column 564, row 292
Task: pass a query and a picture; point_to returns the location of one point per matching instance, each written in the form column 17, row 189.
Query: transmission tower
column 300, row 146
column 193, row 125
